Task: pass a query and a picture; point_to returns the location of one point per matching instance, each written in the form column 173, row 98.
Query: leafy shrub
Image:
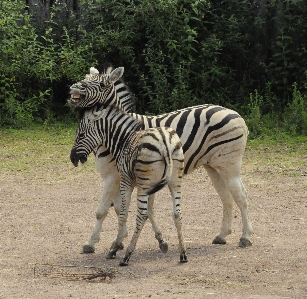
column 176, row 53
column 296, row 113
column 254, row 118
column 33, row 67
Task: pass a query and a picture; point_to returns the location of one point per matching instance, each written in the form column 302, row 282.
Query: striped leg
column 162, row 245
column 142, row 215
column 231, row 188
column 227, row 201
column 126, row 189
column 109, row 194
column 175, row 188
column 238, row 192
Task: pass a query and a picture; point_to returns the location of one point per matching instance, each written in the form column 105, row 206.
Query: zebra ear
column 94, row 71
column 116, row 74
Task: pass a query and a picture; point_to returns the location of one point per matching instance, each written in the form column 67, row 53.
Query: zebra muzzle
column 83, row 159
column 75, row 98
column 75, row 157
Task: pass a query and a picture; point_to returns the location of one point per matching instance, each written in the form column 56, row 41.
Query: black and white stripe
column 148, row 159
column 212, row 136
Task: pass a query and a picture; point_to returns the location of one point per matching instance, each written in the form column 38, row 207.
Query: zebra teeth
column 75, row 97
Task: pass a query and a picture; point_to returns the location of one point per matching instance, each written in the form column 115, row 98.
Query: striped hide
column 212, row 136
column 148, row 159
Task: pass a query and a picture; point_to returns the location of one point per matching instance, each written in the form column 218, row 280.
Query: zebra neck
column 119, row 130
column 120, row 96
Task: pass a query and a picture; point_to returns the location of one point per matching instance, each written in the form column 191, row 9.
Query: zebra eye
column 81, row 135
column 102, row 85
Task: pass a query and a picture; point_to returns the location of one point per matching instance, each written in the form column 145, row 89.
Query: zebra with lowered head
column 148, row 159
column 212, row 136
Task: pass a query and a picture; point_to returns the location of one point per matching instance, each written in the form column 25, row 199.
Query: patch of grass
column 277, row 154
column 38, row 151
column 42, row 152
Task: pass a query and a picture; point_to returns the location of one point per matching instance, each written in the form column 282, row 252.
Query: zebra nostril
column 75, row 163
column 83, row 159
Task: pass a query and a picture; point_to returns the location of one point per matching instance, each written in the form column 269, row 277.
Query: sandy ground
column 44, row 223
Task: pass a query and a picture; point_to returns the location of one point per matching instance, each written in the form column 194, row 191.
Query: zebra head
column 86, row 139
column 96, row 88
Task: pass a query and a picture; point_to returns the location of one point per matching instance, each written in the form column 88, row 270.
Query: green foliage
column 32, row 68
column 293, row 119
column 296, row 113
column 176, row 53
column 288, row 58
column 254, row 119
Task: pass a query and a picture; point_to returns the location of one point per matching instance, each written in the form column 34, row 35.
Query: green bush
column 254, row 118
column 295, row 116
column 176, row 53
column 33, row 67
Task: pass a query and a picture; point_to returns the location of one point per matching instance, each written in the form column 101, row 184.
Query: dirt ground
column 45, row 221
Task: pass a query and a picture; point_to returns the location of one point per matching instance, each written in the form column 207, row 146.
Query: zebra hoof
column 183, row 258
column 245, row 243
column 111, row 255
column 219, row 240
column 88, row 248
column 164, row 247
column 124, row 262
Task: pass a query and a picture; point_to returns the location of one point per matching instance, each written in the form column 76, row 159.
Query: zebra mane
column 112, row 110
column 105, row 68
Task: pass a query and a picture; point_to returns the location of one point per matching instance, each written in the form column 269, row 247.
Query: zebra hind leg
column 227, row 201
column 239, row 194
column 158, row 235
column 231, row 176
column 178, row 224
column 142, row 215
column 175, row 188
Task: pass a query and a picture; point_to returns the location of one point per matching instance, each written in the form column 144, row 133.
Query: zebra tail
column 166, row 175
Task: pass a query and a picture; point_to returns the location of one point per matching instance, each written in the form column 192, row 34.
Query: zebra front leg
column 110, row 194
column 158, row 235
column 125, row 192
column 142, row 215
